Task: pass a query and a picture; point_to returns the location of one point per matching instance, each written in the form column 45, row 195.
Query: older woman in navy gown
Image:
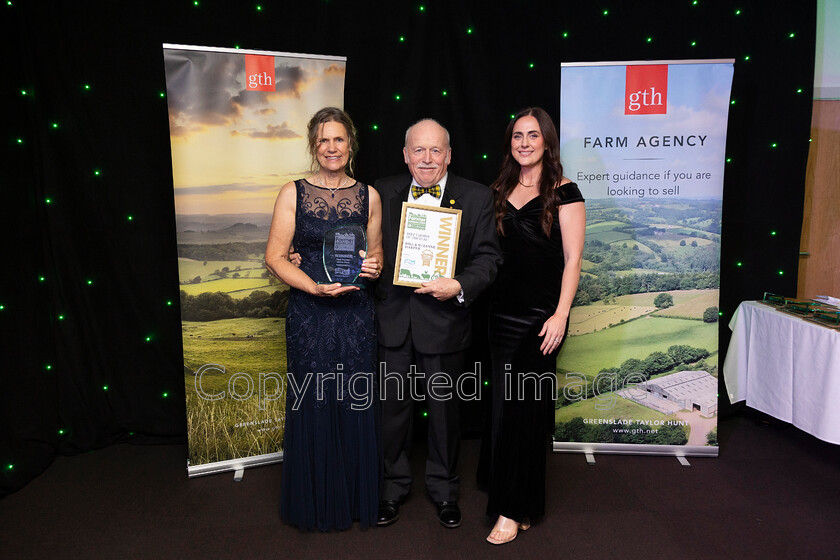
column 541, row 221
column 331, row 456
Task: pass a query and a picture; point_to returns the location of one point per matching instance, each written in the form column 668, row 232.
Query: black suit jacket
column 437, row 327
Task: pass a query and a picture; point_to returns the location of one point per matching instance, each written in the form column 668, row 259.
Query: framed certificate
column 427, row 247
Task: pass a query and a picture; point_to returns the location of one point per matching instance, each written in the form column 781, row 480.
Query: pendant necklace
column 332, row 190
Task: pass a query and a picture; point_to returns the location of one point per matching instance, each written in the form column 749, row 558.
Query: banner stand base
column 678, row 451
column 238, row 466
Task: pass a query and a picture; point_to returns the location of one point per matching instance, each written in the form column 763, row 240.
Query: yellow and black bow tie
column 417, row 192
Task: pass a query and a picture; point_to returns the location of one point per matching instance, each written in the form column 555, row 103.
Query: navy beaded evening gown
column 331, row 464
column 525, row 294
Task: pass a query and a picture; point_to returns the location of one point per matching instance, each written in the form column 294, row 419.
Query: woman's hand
column 332, row 290
column 371, row 268
column 553, row 331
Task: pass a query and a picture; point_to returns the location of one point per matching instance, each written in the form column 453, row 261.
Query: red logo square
column 646, row 90
column 259, row 72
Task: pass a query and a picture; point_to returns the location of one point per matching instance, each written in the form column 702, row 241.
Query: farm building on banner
column 689, row 390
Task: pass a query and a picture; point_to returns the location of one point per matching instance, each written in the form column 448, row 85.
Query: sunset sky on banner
column 233, row 149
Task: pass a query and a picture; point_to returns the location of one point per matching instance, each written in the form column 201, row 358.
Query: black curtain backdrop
column 90, row 316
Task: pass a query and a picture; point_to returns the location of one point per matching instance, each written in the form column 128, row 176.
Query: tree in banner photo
column 645, row 143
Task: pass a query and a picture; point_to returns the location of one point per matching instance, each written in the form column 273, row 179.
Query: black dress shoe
column 449, row 514
column 389, row 512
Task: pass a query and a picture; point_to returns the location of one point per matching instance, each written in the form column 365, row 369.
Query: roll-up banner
column 237, row 122
column 645, row 142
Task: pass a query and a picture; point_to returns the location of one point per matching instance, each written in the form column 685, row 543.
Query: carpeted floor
column 774, row 492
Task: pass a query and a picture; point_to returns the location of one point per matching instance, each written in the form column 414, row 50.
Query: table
column 786, row 367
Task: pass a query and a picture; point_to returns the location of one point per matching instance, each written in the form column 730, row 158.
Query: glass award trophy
column 342, row 261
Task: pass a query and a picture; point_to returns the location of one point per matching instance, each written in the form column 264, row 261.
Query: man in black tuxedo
column 429, row 327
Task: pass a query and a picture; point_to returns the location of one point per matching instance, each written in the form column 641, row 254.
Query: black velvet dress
column 525, row 294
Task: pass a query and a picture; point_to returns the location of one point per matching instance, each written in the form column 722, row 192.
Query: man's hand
column 441, row 289
column 294, row 258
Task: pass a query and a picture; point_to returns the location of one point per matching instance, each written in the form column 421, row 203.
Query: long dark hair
column 552, row 170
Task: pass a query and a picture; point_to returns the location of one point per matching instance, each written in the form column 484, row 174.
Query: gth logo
column 646, row 90
column 259, row 72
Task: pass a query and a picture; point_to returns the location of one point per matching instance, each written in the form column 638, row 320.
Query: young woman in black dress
column 541, row 222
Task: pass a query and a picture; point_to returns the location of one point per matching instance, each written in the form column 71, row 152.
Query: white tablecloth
column 786, row 367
